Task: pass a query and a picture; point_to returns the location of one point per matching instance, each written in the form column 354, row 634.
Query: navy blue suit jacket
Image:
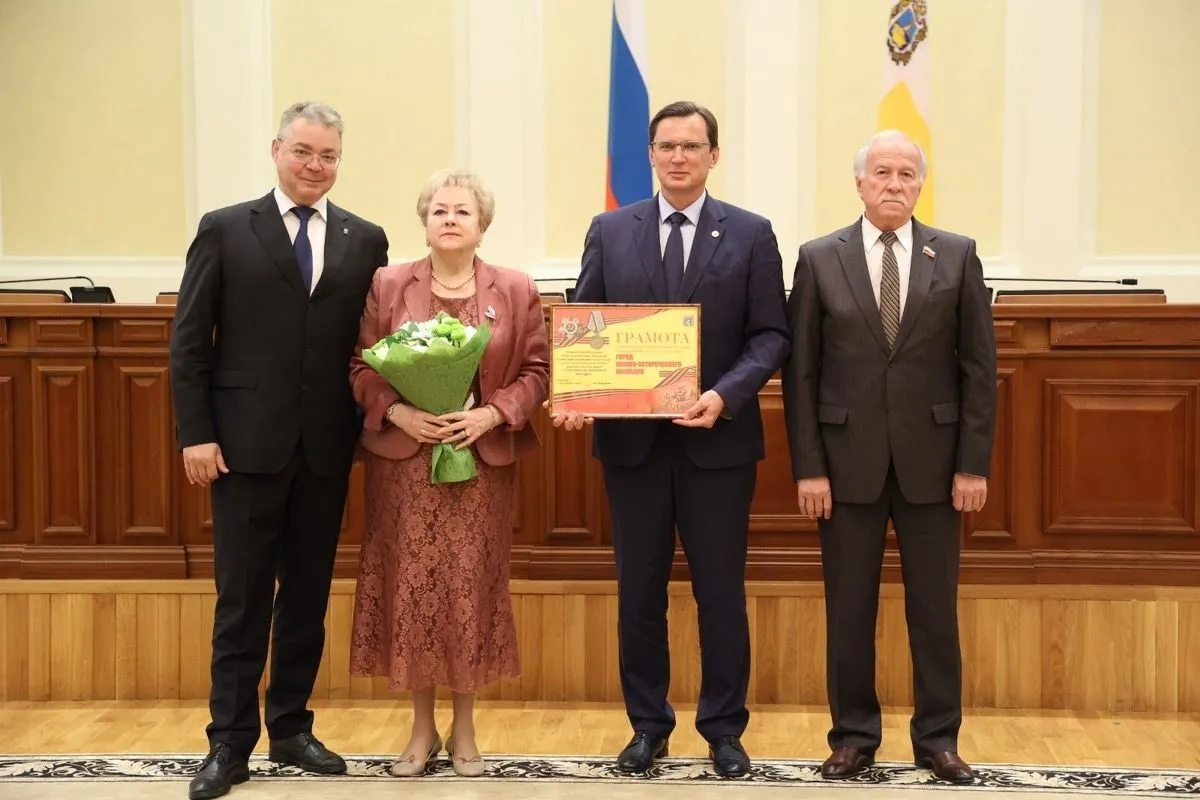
column 735, row 274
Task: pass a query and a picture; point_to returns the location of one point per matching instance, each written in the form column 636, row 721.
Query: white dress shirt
column 687, row 229
column 874, row 250
column 316, row 230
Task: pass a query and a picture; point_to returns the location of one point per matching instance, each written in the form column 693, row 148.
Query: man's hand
column 815, row 497
column 568, row 421
column 704, row 413
column 203, row 463
column 969, row 492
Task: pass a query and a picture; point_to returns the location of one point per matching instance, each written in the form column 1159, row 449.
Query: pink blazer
column 513, row 375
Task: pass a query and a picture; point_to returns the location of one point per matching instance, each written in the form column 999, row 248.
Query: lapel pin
column 927, row 250
column 715, row 234
column 490, row 313
column 345, row 231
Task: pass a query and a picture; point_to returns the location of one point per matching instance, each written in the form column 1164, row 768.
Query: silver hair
column 860, row 158
column 312, row 111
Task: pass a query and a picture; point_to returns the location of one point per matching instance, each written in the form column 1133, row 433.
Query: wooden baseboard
column 563, row 562
column 1080, row 648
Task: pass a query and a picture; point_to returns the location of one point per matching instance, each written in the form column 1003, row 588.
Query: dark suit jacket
column 256, row 364
column 929, row 406
column 513, row 374
column 736, row 277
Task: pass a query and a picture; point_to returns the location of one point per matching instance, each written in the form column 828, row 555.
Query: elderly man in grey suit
column 890, row 398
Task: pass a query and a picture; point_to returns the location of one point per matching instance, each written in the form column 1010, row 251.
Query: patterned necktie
column 673, row 258
column 303, row 247
column 889, row 289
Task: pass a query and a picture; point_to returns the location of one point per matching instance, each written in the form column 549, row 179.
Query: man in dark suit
column 697, row 473
column 890, row 398
column 265, row 326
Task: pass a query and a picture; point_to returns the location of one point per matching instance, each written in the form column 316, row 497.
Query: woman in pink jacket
column 432, row 606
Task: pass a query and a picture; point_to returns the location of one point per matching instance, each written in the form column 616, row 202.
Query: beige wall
column 1148, row 174
column 576, row 56
column 967, row 44
column 1062, row 133
column 91, row 131
column 389, row 69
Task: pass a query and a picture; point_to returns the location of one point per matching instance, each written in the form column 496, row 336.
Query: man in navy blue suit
column 693, row 474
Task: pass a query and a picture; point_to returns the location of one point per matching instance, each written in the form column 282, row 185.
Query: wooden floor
column 381, row 727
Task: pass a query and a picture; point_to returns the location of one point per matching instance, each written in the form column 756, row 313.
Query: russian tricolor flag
column 628, row 108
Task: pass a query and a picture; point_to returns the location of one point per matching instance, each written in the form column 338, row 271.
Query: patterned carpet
column 1043, row 781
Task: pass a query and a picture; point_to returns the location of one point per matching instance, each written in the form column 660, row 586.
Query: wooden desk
column 1095, row 475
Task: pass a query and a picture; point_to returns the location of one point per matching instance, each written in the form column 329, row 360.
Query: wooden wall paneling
column 63, row 443
column 1023, row 647
column 8, row 457
column 1188, row 645
column 351, row 533
column 775, row 520
column 1174, row 332
column 194, row 514
column 568, row 492
column 16, row 452
column 992, row 528
column 534, row 503
column 195, row 644
column 1094, row 427
column 135, row 454
column 37, row 657
column 14, row 645
column 95, row 487
column 144, row 452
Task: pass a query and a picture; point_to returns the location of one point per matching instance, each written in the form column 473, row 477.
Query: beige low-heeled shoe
column 410, row 767
column 465, row 767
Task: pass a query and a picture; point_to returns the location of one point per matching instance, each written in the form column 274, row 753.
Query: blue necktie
column 673, row 258
column 303, row 247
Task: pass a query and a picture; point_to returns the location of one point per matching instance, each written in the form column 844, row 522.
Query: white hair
column 860, row 158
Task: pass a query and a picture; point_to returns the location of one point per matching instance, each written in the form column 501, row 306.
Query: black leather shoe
column 729, row 757
column 641, row 751
column 218, row 772
column 306, row 752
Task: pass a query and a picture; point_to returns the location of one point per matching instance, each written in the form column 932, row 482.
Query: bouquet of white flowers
column 432, row 364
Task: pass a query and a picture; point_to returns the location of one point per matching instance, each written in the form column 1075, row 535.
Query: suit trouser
column 852, row 546
column 711, row 509
column 266, row 528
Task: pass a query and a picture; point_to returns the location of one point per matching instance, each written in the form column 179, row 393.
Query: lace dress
column 432, row 605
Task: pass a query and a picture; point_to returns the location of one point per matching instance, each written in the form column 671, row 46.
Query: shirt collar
column 692, row 212
column 286, row 204
column 871, row 235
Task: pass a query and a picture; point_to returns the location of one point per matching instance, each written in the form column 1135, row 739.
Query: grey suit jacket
column 928, row 405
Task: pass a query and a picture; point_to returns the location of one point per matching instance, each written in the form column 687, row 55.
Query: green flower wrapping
column 432, row 364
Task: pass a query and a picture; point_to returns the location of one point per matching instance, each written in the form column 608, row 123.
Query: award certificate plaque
column 614, row 360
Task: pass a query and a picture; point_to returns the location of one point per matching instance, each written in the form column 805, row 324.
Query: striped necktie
column 889, row 289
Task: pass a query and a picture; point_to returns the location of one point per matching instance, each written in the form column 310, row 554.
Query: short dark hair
column 686, row 108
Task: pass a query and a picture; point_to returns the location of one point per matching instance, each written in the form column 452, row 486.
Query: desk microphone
column 1117, row 282
column 79, row 294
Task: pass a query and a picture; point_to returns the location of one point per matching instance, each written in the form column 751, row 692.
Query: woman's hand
column 464, row 427
column 420, row 425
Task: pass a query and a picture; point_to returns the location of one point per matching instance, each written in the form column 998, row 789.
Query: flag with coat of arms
column 905, row 105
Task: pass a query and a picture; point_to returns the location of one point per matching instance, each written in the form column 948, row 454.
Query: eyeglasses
column 689, row 148
column 303, row 155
